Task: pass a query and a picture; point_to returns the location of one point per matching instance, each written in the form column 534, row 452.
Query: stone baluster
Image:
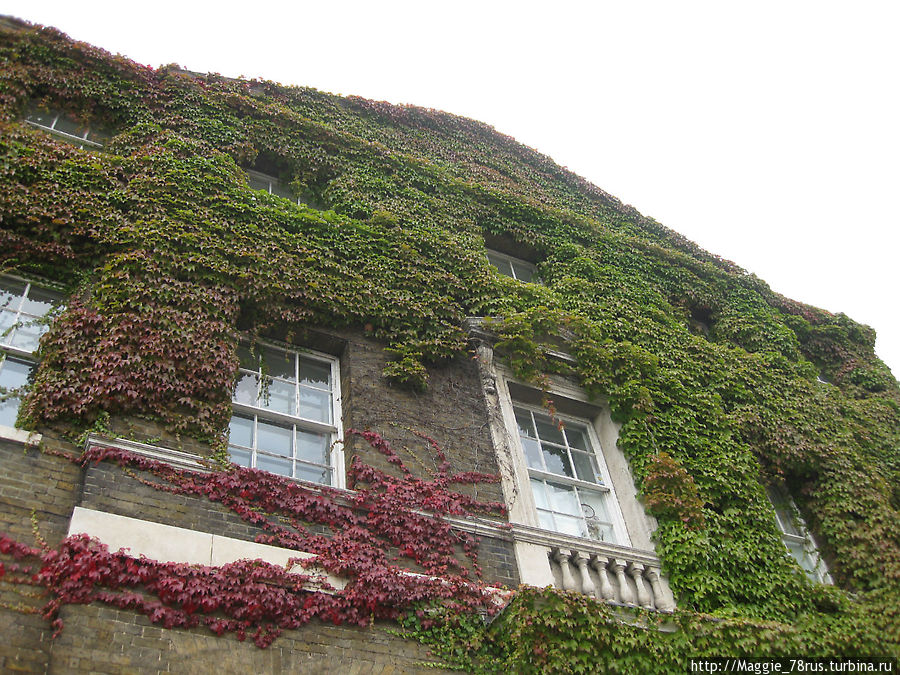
column 587, row 584
column 599, row 563
column 562, row 556
column 626, row 596
column 636, row 570
column 662, row 602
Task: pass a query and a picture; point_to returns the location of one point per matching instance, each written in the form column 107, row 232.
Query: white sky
column 767, row 131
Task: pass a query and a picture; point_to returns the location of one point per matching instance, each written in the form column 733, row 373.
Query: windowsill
column 68, row 138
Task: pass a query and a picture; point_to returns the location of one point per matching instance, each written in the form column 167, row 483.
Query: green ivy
column 169, row 257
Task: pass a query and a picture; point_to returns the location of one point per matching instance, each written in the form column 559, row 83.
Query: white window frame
column 333, row 430
column 57, row 115
column 795, row 533
column 603, row 488
column 632, row 525
column 10, row 352
column 271, row 182
column 495, row 257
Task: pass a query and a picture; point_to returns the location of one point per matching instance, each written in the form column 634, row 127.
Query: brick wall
column 103, row 640
column 106, row 640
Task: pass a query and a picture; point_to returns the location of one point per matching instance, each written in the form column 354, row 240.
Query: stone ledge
column 167, row 543
column 28, row 438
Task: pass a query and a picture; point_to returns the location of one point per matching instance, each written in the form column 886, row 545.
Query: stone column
column 636, row 570
column 626, row 596
column 659, row 595
column 562, row 556
column 587, row 584
column 599, row 563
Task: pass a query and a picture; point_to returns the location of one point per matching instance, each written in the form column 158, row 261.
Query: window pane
column 563, row 499
column 9, row 409
column 274, row 438
column 539, row 490
column 315, row 405
column 798, row 551
column 27, row 334
column 39, row 302
column 313, row 474
column 557, row 460
column 239, row 456
column 279, row 364
column 282, row 190
column 246, row 389
column 594, row 505
column 599, row 523
column 248, row 359
column 315, row 374
column 274, row 464
column 532, row 453
column 502, row 266
column 13, row 374
column 549, row 432
column 257, row 183
column 546, row 520
column 98, row 137
column 69, row 126
column 577, row 439
column 312, row 447
column 569, row 525
column 600, row 531
column 523, row 420
column 278, row 395
column 787, row 520
column 11, row 293
column 7, row 332
column 240, row 431
column 43, row 117
column 586, row 467
column 523, row 272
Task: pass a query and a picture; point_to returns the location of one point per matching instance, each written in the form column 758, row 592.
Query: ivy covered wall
column 168, row 257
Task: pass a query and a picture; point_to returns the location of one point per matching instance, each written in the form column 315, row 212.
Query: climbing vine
column 720, row 384
column 251, row 597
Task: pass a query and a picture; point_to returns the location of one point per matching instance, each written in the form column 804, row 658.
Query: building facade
column 282, row 369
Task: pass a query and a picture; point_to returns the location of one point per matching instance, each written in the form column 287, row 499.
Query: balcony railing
column 611, row 576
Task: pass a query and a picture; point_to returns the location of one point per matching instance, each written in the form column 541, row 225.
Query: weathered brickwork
column 34, row 481
column 48, row 487
column 451, row 411
column 100, row 639
column 103, row 640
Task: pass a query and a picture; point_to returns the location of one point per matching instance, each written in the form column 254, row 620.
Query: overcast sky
column 767, row 132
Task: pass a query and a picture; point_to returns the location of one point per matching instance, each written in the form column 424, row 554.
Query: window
column 64, row 127
column 22, row 305
column 261, row 181
column 568, row 477
column 797, row 538
column 512, row 267
column 287, row 414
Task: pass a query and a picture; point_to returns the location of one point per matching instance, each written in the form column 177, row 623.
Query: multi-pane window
column 65, row 127
column 796, row 537
column 286, row 414
column 261, row 181
column 512, row 267
column 22, row 306
column 569, row 481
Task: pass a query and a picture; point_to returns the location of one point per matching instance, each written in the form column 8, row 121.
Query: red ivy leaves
column 256, row 598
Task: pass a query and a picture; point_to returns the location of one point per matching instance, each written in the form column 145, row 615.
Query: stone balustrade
column 612, row 577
